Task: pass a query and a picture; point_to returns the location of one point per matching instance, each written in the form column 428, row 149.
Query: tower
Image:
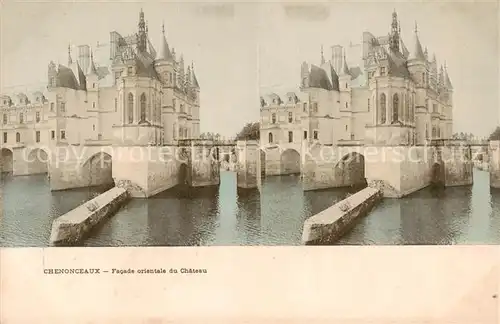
column 164, row 62
column 142, row 33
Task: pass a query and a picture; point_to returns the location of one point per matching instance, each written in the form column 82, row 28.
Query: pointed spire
column 91, row 69
column 322, row 57
column 417, row 53
column 447, row 78
column 70, row 60
column 345, row 68
column 164, row 53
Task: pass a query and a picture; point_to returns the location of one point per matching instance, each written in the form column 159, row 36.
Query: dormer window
column 382, row 71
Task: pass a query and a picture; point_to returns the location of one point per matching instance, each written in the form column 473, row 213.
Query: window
column 18, row 137
column 346, row 105
column 395, row 108
column 273, row 118
column 63, row 106
column 130, row 109
column 368, row 104
column 290, row 137
column 37, row 136
column 93, row 85
column 63, row 134
column 5, row 137
column 93, row 105
column 382, row 71
column 315, row 107
column 426, row 131
column 346, row 128
column 5, row 119
column 93, row 127
column 37, row 117
column 383, row 116
column 173, row 102
column 116, row 104
column 270, row 137
column 21, row 118
column 305, row 134
column 51, row 106
column 52, row 134
column 315, row 135
column 305, row 106
column 434, row 108
column 143, row 107
column 130, row 70
column 290, row 117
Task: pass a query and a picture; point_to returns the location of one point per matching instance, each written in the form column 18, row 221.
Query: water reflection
column 271, row 215
column 455, row 215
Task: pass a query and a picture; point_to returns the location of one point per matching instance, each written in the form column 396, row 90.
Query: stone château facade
column 136, row 95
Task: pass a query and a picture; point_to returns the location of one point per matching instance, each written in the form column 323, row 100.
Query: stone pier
column 248, row 171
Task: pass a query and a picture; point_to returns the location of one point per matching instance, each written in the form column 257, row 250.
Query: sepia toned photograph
column 245, row 124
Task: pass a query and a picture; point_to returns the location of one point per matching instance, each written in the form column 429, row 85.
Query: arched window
column 21, row 118
column 383, row 115
column 143, row 108
column 270, row 137
column 18, row 137
column 51, row 106
column 130, row 109
column 407, row 108
column 273, row 118
column 395, row 108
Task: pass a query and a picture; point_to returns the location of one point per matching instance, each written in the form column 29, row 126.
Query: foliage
column 495, row 136
column 250, row 132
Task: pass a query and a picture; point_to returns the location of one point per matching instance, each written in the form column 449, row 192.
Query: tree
column 250, row 132
column 495, row 136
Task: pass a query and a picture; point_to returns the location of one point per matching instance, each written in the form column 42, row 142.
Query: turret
column 164, row 62
column 142, row 33
column 91, row 74
column 395, row 31
column 345, row 75
column 417, row 62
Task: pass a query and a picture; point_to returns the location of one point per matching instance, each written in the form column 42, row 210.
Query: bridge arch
column 6, row 160
column 290, row 162
column 38, row 160
column 350, row 169
column 97, row 169
column 183, row 174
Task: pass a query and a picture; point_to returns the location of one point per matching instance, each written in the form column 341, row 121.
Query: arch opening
column 350, row 170
column 290, row 162
column 38, row 161
column 97, row 170
column 438, row 175
column 6, row 161
column 182, row 175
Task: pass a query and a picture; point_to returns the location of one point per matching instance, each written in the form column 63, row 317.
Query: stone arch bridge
column 148, row 170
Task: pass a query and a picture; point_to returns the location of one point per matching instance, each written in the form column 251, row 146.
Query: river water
column 272, row 216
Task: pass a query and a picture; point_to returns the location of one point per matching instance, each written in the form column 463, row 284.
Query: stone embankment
column 329, row 225
column 71, row 227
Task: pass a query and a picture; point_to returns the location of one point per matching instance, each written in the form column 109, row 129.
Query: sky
column 241, row 50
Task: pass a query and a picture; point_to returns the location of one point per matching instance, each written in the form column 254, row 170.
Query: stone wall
column 457, row 165
column 73, row 226
column 329, row 225
column 494, row 164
